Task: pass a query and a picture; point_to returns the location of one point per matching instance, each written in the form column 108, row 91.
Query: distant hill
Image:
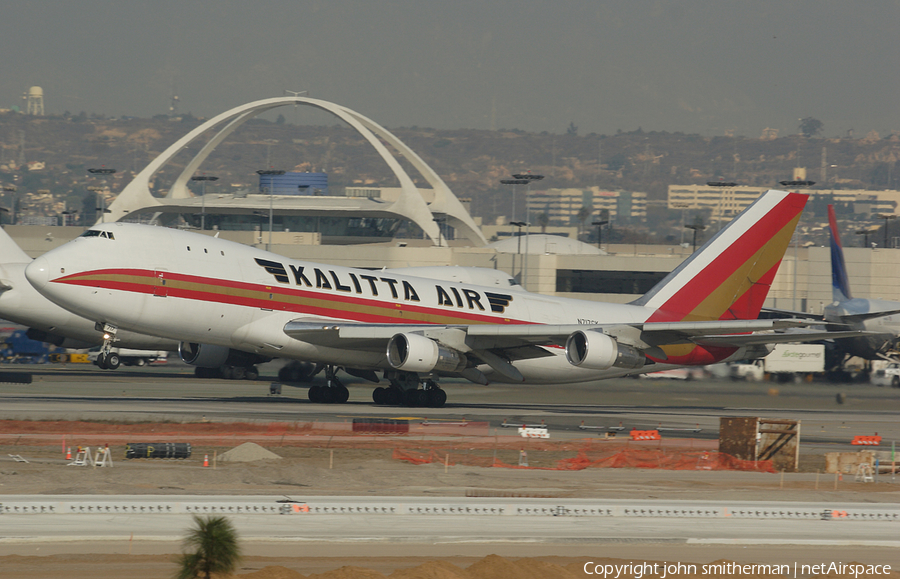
column 472, row 162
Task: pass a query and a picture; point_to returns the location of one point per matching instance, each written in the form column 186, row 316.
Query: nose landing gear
column 107, row 359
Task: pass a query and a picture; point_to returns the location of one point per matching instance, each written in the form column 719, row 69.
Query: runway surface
column 172, row 393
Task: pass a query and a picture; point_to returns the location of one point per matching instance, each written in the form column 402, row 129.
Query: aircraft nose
column 38, row 273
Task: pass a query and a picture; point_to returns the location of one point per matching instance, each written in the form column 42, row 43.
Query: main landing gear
column 404, row 391
column 334, row 392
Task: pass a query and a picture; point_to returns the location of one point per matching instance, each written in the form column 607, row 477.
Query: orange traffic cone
column 69, row 453
column 205, row 460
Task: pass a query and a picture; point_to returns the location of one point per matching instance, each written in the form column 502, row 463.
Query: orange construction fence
column 667, row 459
column 866, row 440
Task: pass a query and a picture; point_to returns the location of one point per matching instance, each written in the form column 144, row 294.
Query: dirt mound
column 496, row 567
column 273, row 572
column 431, row 570
column 247, row 452
column 349, row 573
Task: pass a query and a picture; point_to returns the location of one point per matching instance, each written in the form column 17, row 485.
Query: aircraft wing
column 499, row 344
column 793, row 314
column 763, row 338
column 855, row 318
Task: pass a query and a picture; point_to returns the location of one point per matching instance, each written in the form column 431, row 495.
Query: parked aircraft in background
column 47, row 322
column 223, row 299
column 880, row 317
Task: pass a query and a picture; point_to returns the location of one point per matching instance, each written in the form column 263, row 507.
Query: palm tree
column 217, row 550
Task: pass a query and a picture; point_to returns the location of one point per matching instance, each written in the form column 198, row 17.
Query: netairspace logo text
column 664, row 570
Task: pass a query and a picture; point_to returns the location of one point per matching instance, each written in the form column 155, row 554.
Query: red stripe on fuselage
column 393, row 310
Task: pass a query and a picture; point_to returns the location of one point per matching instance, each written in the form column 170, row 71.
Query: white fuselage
column 22, row 304
column 194, row 288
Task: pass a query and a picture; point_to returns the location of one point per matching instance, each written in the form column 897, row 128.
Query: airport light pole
column 520, row 225
column 696, row 227
column 530, row 177
column 271, row 173
column 599, row 225
column 106, row 172
column 203, row 179
column 887, row 219
column 514, row 182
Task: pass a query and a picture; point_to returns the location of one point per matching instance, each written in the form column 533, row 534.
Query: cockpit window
column 97, row 233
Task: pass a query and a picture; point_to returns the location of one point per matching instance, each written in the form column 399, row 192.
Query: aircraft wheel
column 238, row 373
column 112, row 361
column 379, row 395
column 394, row 397
column 251, row 373
column 436, row 398
column 341, row 394
column 101, row 361
column 414, row 398
column 315, row 394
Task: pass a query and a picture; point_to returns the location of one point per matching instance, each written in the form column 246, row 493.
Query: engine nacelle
column 203, row 355
column 209, row 356
column 415, row 353
column 598, row 351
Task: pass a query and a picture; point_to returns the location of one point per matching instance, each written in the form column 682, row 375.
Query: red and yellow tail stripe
column 730, row 277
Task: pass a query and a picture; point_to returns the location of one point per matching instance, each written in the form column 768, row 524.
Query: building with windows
column 726, row 202
column 562, row 206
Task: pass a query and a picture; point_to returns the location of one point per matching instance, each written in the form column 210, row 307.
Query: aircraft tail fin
column 729, row 277
column 10, row 252
column 840, row 285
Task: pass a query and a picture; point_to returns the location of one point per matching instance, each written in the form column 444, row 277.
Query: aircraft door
column 159, row 284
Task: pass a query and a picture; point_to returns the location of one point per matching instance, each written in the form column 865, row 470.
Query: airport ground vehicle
column 131, row 357
column 785, row 363
column 887, row 376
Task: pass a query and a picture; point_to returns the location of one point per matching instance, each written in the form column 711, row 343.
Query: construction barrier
column 645, row 435
column 158, row 450
column 527, row 432
column 380, row 426
column 866, row 440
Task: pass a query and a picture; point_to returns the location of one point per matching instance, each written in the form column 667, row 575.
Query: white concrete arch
column 136, row 195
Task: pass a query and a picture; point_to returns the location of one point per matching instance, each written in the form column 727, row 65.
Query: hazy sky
column 668, row 65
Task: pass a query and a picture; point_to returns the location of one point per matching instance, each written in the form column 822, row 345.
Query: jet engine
column 415, row 353
column 598, row 351
column 209, row 356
